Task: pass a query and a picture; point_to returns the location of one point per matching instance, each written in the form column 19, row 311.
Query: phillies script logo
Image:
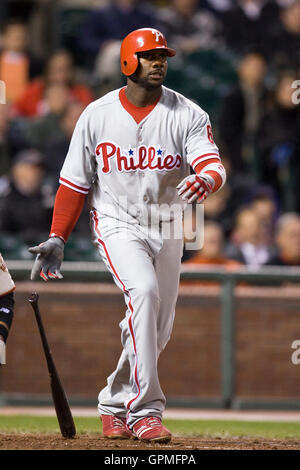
column 141, row 158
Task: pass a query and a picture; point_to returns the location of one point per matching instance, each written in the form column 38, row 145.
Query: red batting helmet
column 141, row 40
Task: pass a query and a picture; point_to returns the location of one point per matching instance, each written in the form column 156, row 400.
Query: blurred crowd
column 239, row 59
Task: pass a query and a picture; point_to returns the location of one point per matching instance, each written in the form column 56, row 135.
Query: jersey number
column 210, row 134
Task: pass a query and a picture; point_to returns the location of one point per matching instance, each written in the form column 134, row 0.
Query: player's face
column 152, row 68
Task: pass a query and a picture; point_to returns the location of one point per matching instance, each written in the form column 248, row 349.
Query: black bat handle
column 33, row 299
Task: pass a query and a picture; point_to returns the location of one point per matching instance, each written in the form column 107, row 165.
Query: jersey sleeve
column 200, row 145
column 77, row 171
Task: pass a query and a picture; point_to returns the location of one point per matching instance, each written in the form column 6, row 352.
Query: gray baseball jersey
column 131, row 167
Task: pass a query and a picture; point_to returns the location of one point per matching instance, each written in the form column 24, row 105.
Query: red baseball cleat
column 150, row 429
column 114, row 427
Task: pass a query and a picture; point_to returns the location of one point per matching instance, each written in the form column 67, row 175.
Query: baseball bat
column 62, row 408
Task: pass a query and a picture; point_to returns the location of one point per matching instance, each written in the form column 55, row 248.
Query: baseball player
column 7, row 288
column 131, row 151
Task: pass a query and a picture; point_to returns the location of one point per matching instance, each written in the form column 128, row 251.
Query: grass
column 212, row 428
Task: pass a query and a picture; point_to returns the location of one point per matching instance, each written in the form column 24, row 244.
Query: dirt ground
column 96, row 442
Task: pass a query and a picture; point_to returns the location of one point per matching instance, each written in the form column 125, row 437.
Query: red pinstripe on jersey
column 130, row 319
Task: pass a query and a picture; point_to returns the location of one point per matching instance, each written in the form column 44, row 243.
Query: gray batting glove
column 48, row 261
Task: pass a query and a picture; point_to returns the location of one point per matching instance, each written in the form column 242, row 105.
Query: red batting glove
column 195, row 188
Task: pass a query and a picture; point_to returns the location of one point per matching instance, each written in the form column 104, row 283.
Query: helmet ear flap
column 130, row 64
column 135, row 68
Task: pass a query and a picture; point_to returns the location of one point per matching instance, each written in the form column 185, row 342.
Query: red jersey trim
column 75, row 187
column 200, row 168
column 204, row 157
column 137, row 112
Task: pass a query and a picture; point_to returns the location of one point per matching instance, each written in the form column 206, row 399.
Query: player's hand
column 49, row 258
column 2, row 352
column 195, row 188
